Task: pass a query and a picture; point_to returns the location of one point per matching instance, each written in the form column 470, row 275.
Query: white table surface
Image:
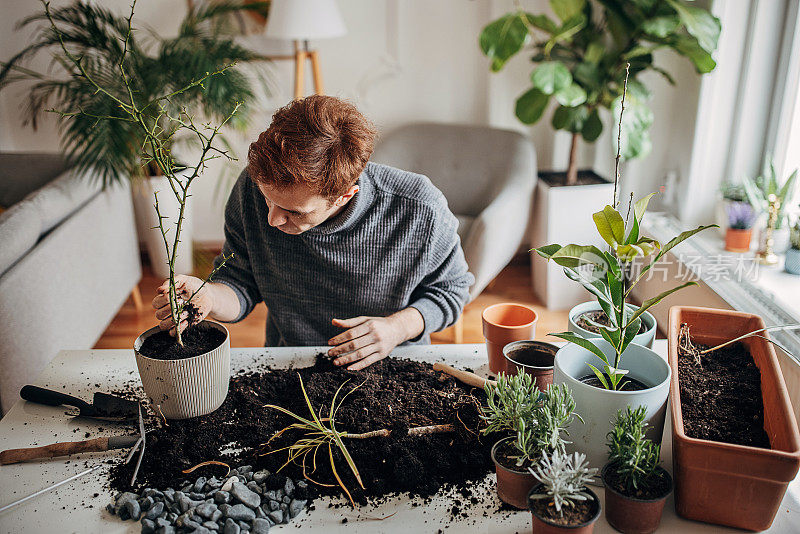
column 73, row 508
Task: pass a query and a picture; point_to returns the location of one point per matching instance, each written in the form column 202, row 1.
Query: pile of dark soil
column 395, row 394
column 197, row 340
column 599, row 317
column 721, row 396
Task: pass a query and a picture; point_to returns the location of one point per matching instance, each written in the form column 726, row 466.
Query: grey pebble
column 169, row 494
column 162, row 522
column 146, row 503
column 133, row 510
column 240, row 512
column 295, row 507
column 201, row 530
column 260, row 513
column 206, row 510
column 286, row 499
column 156, row 510
column 216, row 515
column 288, row 488
column 148, row 526
column 211, row 525
column 222, row 497
column 273, row 505
column 260, row 476
column 245, row 495
column 213, row 483
column 284, row 507
column 167, row 529
column 260, row 526
column 199, row 484
column 271, row 495
column 244, row 525
column 231, row 527
column 196, row 496
column 254, row 487
column 276, row 516
column 245, row 469
column 228, row 484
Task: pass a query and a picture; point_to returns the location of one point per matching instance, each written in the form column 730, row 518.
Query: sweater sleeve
column 444, row 291
column 237, row 272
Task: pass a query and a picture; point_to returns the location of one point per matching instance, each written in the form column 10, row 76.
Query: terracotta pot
column 535, row 358
column 738, row 240
column 722, row 483
column 513, row 485
column 543, row 526
column 502, row 324
column 630, row 515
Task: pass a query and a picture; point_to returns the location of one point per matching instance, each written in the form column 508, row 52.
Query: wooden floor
column 513, row 284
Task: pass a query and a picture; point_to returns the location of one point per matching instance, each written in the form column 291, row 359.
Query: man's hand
column 369, row 339
column 185, row 286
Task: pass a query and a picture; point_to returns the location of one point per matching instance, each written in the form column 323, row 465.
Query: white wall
column 401, row 61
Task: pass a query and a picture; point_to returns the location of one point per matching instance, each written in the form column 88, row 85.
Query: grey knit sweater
column 393, row 246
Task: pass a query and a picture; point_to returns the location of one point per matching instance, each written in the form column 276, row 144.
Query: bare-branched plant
column 157, row 130
column 635, row 458
column 564, row 478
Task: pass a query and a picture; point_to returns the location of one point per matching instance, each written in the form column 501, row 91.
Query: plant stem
column 619, row 135
column 754, row 332
column 414, row 431
column 572, row 169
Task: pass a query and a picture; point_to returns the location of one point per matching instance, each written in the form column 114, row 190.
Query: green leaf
column 547, row 251
column 593, row 286
column 640, row 207
column 594, row 52
column 630, row 332
column 610, row 225
column 661, row 26
column 566, row 9
column 689, row 47
column 633, row 235
column 531, row 105
column 542, row 22
column 550, row 77
column 701, row 24
column 639, row 51
column 570, row 119
column 582, row 342
column 503, row 38
column 675, row 241
column 565, row 32
column 600, row 376
column 658, row 298
column 592, row 127
column 588, row 75
column 574, row 256
column 571, row 96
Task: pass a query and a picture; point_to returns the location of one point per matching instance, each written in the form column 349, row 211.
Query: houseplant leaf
column 610, row 226
column 689, row 47
column 570, row 96
column 574, row 256
column 675, row 241
column 531, row 105
column 658, row 298
column 566, row 9
column 661, row 26
column 592, row 127
column 640, row 207
column 503, row 38
column 701, row 24
column 582, row 342
column 547, row 251
column 550, row 77
column 570, row 119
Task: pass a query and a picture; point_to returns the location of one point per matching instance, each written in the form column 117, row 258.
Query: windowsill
column 737, row 279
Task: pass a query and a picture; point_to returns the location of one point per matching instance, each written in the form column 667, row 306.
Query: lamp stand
column 301, row 54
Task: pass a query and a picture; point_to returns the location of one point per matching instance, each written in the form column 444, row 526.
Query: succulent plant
column 741, row 215
column 564, row 478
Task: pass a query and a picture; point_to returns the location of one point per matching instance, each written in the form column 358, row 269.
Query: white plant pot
column 644, row 339
column 190, row 387
column 598, row 407
column 780, row 239
column 563, row 215
column 147, row 223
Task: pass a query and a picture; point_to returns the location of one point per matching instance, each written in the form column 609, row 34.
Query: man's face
column 296, row 208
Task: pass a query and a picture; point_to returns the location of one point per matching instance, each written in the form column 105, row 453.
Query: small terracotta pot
column 543, row 526
column 630, row 515
column 535, row 358
column 724, row 483
column 738, row 240
column 513, row 486
column 502, row 324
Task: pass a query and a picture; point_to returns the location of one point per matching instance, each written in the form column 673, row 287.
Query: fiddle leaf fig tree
column 580, row 60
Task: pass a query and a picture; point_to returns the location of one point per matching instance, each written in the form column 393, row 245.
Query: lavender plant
column 741, row 215
column 635, row 458
column 564, row 478
column 157, row 128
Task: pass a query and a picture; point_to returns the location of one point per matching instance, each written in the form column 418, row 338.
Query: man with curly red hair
column 344, row 252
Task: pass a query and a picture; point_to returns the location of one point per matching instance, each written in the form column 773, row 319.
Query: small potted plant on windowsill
column 562, row 502
column 636, row 486
column 792, row 262
column 758, row 191
column 741, row 218
column 531, row 422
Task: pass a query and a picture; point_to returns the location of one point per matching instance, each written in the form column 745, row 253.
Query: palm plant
column 94, row 136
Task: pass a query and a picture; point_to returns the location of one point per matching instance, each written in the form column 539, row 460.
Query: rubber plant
column 155, row 123
column 579, row 60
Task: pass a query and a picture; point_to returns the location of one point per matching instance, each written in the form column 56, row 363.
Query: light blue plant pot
column 792, row 261
column 644, row 339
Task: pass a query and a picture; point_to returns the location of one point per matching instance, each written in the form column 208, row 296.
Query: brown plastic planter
column 630, row 515
column 722, row 483
column 543, row 526
column 535, row 358
column 512, row 486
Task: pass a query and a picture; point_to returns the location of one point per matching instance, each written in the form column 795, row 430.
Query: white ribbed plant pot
column 147, row 223
column 780, row 239
column 598, row 407
column 190, row 387
column 644, row 339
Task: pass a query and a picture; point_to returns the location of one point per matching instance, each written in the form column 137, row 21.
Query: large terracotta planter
column 535, row 358
column 644, row 339
column 502, row 324
column 513, row 485
column 738, row 240
column 630, row 515
column 722, row 483
column 598, row 407
column 543, row 526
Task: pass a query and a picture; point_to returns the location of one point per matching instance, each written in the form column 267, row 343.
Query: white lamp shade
column 304, row 19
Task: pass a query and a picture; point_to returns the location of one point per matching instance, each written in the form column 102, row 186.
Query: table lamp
column 300, row 21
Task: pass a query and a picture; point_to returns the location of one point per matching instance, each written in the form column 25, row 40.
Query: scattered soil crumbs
column 575, row 515
column 197, row 340
column 721, row 396
column 395, row 394
column 599, row 317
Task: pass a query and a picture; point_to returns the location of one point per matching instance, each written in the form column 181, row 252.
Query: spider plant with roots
column 318, row 432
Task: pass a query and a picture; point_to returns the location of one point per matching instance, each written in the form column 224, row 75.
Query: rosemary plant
column 564, row 478
column 157, row 129
column 510, row 400
column 635, row 458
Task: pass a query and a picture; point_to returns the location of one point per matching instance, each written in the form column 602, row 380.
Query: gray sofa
column 68, row 261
